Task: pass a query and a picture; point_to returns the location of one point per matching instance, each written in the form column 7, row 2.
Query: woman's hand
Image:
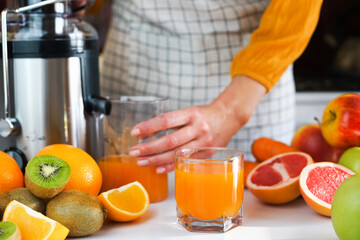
column 201, row 126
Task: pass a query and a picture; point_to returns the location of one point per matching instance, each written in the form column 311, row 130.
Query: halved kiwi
column 46, row 175
column 9, row 231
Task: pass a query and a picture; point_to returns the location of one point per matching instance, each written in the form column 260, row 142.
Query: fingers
column 195, row 128
column 158, row 159
column 165, row 168
column 165, row 162
column 165, row 143
column 169, row 156
column 161, row 122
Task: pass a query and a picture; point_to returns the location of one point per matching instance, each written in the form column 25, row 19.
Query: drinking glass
column 209, row 188
column 117, row 167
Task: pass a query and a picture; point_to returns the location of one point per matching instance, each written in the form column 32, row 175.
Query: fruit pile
column 322, row 164
column 60, row 197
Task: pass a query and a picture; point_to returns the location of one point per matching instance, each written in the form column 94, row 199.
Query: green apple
column 345, row 209
column 351, row 159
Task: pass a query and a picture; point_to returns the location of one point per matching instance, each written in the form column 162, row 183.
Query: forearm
column 238, row 101
column 284, row 32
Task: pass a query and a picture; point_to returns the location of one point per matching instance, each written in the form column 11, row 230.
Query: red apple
column 309, row 139
column 340, row 124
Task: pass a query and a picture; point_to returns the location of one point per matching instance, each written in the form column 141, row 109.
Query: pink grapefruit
column 318, row 183
column 276, row 180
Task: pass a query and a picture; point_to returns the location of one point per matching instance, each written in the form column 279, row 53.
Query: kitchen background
column 329, row 66
column 331, row 61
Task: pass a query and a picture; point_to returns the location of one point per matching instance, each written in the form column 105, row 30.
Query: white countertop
column 294, row 220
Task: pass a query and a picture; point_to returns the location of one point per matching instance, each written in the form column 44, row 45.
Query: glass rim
column 137, row 99
column 197, row 149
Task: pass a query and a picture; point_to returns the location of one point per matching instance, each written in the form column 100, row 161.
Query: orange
column 276, row 180
column 125, row 203
column 248, row 167
column 11, row 176
column 85, row 172
column 319, row 182
column 33, row 225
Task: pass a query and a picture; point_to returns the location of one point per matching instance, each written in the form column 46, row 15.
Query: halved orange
column 33, row 225
column 276, row 180
column 125, row 203
column 319, row 182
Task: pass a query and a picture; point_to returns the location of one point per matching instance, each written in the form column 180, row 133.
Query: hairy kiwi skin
column 81, row 212
column 24, row 196
column 15, row 236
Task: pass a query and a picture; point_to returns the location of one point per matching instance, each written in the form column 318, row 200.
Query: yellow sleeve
column 283, row 34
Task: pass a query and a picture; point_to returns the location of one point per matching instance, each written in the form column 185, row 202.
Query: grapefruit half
column 276, row 180
column 248, row 166
column 318, row 183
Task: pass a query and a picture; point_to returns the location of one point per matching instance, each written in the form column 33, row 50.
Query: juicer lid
column 38, row 34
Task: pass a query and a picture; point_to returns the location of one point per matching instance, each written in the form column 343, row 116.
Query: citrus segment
column 319, row 182
column 33, row 225
column 276, row 180
column 11, row 176
column 125, row 203
column 85, row 173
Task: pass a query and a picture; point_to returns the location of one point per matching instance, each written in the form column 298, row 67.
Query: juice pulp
column 208, row 190
column 120, row 170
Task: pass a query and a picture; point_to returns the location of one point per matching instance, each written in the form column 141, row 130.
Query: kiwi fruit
column 46, row 176
column 9, row 231
column 24, row 196
column 81, row 212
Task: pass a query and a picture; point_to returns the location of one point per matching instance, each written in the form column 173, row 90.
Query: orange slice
column 125, row 203
column 276, row 180
column 34, row 225
column 319, row 182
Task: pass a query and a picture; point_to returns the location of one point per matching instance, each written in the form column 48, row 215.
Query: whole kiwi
column 24, row 196
column 81, row 212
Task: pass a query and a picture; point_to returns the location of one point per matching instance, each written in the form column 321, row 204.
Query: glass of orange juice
column 209, row 188
column 117, row 167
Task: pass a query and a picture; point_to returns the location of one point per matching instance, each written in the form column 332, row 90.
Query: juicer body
column 53, row 92
column 49, row 103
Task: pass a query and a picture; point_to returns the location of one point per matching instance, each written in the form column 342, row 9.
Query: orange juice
column 209, row 190
column 120, row 170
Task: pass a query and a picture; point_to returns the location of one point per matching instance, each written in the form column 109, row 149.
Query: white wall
column 312, row 104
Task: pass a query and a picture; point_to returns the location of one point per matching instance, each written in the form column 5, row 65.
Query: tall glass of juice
column 209, row 188
column 117, row 167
